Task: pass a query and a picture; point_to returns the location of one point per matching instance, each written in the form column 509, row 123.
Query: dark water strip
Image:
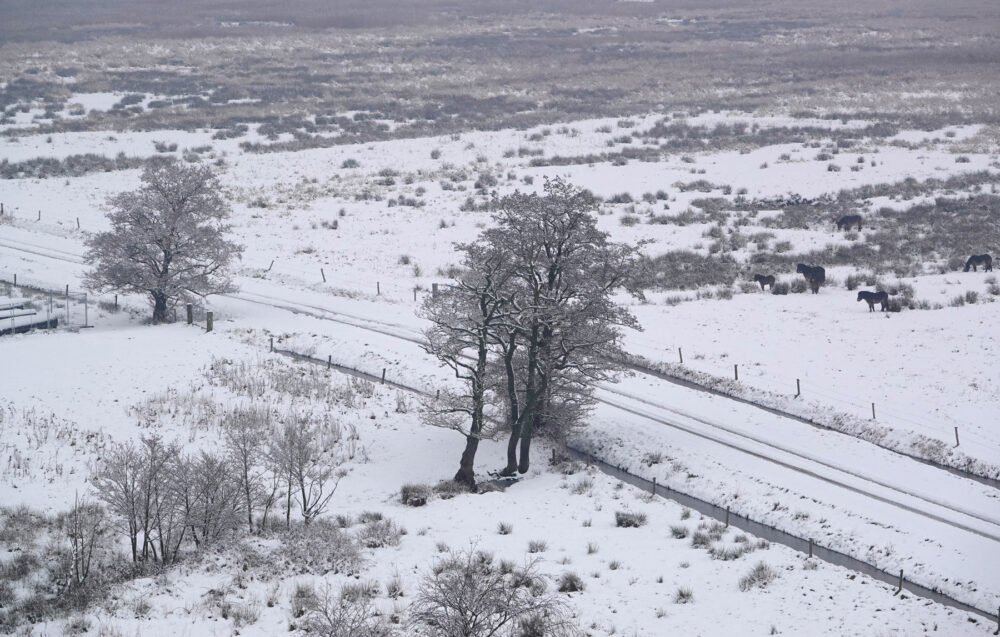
column 757, row 529
column 777, row 536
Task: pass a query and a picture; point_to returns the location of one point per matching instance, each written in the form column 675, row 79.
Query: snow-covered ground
column 67, row 395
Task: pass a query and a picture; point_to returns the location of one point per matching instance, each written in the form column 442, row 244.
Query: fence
column 709, row 509
column 52, row 306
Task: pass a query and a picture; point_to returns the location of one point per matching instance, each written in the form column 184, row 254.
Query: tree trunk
column 466, row 473
column 159, row 307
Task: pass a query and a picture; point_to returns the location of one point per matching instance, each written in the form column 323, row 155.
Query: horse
column 764, row 280
column 984, row 260
column 874, row 297
column 815, row 275
column 845, row 222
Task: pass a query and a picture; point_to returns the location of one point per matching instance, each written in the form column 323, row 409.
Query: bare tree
column 564, row 328
column 311, row 475
column 86, row 524
column 344, row 615
column 245, row 435
column 212, row 497
column 468, row 594
column 167, row 239
column 462, row 319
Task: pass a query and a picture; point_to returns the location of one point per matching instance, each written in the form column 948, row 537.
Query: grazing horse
column 764, row 280
column 815, row 275
column 845, row 222
column 984, row 260
column 874, row 297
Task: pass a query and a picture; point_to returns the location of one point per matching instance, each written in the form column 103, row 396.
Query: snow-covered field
column 305, row 217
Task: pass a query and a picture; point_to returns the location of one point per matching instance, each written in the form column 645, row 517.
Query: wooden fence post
column 736, row 373
column 383, row 376
column 378, row 289
column 272, row 343
column 39, row 215
column 873, row 411
column 322, row 274
column 956, row 436
column 190, row 313
column 78, row 223
column 810, row 547
column 329, row 361
column 900, row 589
column 727, row 517
column 680, row 355
column 208, row 322
column 798, row 388
column 654, row 485
column 116, row 300
column 998, row 622
column 414, row 294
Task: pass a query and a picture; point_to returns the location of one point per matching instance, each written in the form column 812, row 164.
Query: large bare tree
column 167, row 239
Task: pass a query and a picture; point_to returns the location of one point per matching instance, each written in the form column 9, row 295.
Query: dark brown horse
column 874, row 297
column 764, row 279
column 815, row 275
column 984, row 260
column 845, row 222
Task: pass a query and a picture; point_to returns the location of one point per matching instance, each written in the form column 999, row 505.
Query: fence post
column 39, row 215
column 323, row 274
column 78, row 223
column 67, row 291
column 956, row 436
column 998, row 622
column 329, row 361
column 190, row 313
column 654, row 485
column 727, row 517
column 798, row 388
column 434, row 290
column 414, row 294
column 900, row 589
column 378, row 289
column 383, row 376
column 736, row 373
column 208, row 321
column 873, row 411
column 116, row 301
column 680, row 355
column 272, row 343
column 1, row 209
column 810, row 547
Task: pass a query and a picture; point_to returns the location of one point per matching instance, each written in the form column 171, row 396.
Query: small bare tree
column 86, row 524
column 344, row 615
column 245, row 436
column 167, row 239
column 312, row 476
column 468, row 594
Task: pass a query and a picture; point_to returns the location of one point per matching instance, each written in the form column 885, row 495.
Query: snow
column 67, row 395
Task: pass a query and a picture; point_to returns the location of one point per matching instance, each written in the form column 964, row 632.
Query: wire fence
column 42, row 305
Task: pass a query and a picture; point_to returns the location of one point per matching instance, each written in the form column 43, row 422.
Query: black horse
column 874, row 297
column 815, row 275
column 845, row 222
column 763, row 279
column 984, row 260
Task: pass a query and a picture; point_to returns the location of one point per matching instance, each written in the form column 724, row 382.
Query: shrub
column 679, row 532
column 414, row 495
column 683, row 596
column 798, row 286
column 319, row 547
column 759, row 577
column 537, row 546
column 380, row 533
column 505, row 528
column 350, row 163
column 570, row 583
column 628, row 519
column 780, row 287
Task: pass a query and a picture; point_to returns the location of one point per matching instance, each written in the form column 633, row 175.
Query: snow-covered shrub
column 380, row 533
column 683, row 596
column 570, row 582
column 414, row 495
column 537, row 546
column 679, row 531
column 759, row 577
column 319, row 547
column 628, row 519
